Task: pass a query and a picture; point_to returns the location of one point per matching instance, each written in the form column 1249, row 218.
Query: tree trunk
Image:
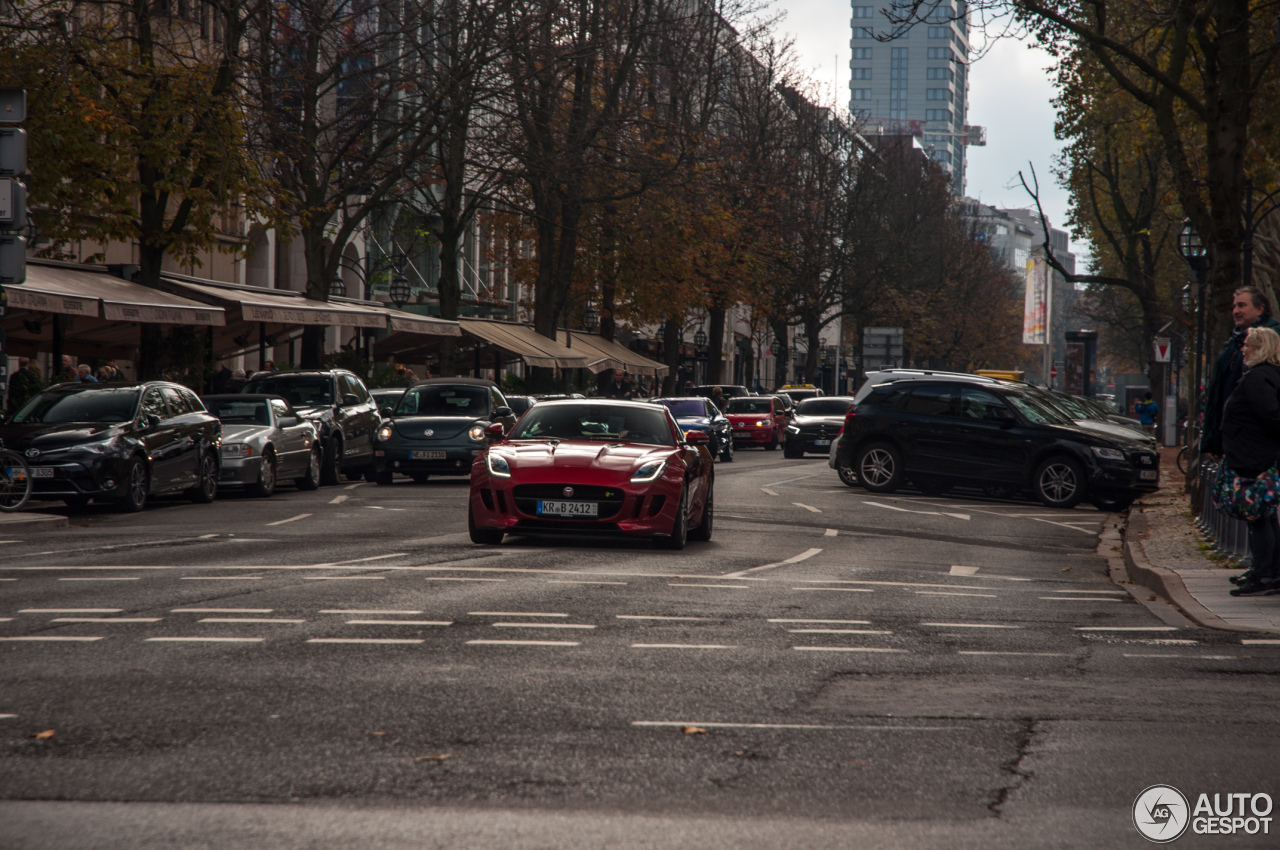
column 715, row 346
column 671, row 355
column 449, row 291
column 781, row 358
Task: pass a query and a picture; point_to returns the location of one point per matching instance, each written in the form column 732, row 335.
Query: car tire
column 385, row 478
column 354, row 476
column 726, row 456
column 265, row 486
column 206, row 489
column 332, row 464
column 483, row 536
column 311, row 481
column 136, row 486
column 1114, row 505
column 702, row 531
column 847, row 475
column 879, row 468
column 792, row 452
column 680, row 527
column 420, row 477
column 1059, row 482
column 771, row 445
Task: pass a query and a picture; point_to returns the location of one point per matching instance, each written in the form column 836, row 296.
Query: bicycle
column 15, row 481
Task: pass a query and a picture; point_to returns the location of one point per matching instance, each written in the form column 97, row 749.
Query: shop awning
column 87, row 291
column 607, row 354
column 279, row 306
column 526, row 343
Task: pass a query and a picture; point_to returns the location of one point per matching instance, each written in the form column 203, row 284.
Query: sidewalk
column 1164, row 552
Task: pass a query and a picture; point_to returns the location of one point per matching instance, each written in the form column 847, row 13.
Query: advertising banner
column 1035, row 311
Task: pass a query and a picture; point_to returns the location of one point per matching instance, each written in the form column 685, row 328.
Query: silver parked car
column 264, row 441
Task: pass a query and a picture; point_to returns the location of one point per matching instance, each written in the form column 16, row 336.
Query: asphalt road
column 343, row 668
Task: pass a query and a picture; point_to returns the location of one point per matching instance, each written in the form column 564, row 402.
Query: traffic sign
column 1164, row 347
column 1053, row 373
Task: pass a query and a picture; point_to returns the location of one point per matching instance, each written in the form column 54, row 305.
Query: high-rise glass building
column 917, row 83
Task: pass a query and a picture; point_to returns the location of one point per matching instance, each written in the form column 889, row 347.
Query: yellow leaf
column 693, row 730
column 48, row 733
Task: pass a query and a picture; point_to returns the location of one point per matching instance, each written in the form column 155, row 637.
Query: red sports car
column 591, row 466
column 757, row 420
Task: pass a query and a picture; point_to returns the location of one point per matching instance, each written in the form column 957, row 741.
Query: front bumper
column 638, row 510
column 398, row 457
column 808, row 442
column 752, row 436
column 240, row 471
column 82, row 477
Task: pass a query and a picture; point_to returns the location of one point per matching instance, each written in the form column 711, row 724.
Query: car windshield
column 99, row 405
column 445, row 400
column 684, row 407
column 1074, row 407
column 749, row 405
column 300, row 390
column 823, row 407
column 518, row 404
column 239, row 412
column 1034, row 410
column 595, row 422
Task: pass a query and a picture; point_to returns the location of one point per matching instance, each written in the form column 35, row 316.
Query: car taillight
column 848, row 418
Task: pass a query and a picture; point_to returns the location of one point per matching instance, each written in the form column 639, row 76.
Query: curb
column 31, row 522
column 1166, row 583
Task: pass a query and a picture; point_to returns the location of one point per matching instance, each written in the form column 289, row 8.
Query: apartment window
column 862, row 32
column 940, row 53
column 939, row 32
column 862, row 53
column 862, row 73
column 939, row 74
column 898, row 82
column 942, row 156
column 937, row 94
column 938, row 115
column 860, row 94
column 863, row 11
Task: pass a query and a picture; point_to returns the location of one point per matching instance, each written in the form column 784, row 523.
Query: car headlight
column 1109, row 454
column 648, row 472
column 237, row 450
column 498, row 466
column 765, row 423
column 385, row 432
column 476, row 433
column 98, row 448
column 791, row 429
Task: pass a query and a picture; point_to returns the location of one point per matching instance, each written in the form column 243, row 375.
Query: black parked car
column 117, row 442
column 939, row 433
column 438, row 427
column 341, row 408
column 815, row 424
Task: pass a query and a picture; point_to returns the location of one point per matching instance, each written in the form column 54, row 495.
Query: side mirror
column 695, row 437
column 149, row 421
column 502, row 412
column 387, row 411
column 350, row 400
column 494, row 431
column 286, row 421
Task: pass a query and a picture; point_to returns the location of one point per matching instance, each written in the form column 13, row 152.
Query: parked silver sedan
column 264, row 441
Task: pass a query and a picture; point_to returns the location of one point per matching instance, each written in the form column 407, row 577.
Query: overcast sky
column 1010, row 89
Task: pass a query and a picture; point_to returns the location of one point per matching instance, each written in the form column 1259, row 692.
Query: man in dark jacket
column 1250, row 309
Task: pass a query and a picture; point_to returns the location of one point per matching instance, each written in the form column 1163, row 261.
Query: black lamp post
column 589, row 319
column 399, row 291
column 338, row 289
column 1193, row 252
column 700, row 338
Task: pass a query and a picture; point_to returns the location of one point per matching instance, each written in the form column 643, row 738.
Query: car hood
column 244, row 433
column 441, row 427
column 586, row 461
column 1116, row 432
column 693, row 422
column 817, row 420
column 49, row 438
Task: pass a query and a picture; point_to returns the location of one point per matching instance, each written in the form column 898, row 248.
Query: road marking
column 399, row 622
column 70, row 610
column 810, row 508
column 843, row 622
column 54, row 638
column 830, row 532
column 290, row 519
column 767, row 490
column 1065, row 525
column 1126, row 628
column 512, row 614
column 450, row 578
column 949, row 593
column 1188, row 657
column 1081, row 598
column 794, row 559
column 838, row 589
column 1260, row 642
column 542, row 626
column 1095, row 592
column 354, row 486
column 891, row 583
column 206, row 536
column 344, row 578
column 566, row 581
column 957, row 570
column 221, row 578
column 6, row 619
column 729, row 586
column 365, row 611
column 106, row 619
column 839, row 632
column 100, row 578
column 810, row 726
column 204, row 640
column 363, row 560
column 789, row 480
column 367, row 640
column 523, row 643
column 658, row 617
column 683, row 646
column 846, row 649
column 969, row 626
column 221, row 610
column 910, row 511
column 338, row 500
column 1044, row 654
column 8, row 716
column 248, row 620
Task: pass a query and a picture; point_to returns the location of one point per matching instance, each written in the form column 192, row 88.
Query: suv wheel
column 206, row 489
column 1059, row 482
column 332, row 462
column 879, row 468
column 135, row 487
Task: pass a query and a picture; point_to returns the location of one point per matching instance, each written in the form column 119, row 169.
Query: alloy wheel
column 877, row 467
column 1058, row 482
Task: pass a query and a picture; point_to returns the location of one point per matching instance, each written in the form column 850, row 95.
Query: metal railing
column 1227, row 535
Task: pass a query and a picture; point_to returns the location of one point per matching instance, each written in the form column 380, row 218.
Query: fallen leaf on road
column 377, row 733
column 693, row 730
column 436, row 757
column 1151, row 598
column 48, row 733
column 1066, row 569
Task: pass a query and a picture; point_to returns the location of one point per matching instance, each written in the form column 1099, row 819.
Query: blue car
column 699, row 414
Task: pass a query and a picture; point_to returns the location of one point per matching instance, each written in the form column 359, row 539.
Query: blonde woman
column 1251, row 444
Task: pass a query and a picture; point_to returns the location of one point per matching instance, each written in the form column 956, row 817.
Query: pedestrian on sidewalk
column 1251, row 308
column 1147, row 411
column 1251, row 443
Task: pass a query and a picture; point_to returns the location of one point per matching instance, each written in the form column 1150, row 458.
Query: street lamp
column 338, row 289
column 700, row 338
column 399, row 291
column 590, row 319
column 1194, row 253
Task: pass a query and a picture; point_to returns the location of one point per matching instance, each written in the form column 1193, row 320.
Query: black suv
column 117, row 442
column 341, row 408
column 940, row 433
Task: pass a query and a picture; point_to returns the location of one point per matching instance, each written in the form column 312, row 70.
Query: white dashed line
column 290, row 519
column 1080, row 599
column 702, row 724
column 658, row 617
column 1044, row 654
column 8, row 716
column 51, row 638
column 846, row 649
column 512, row 614
column 770, row 492
column 104, row 578
column 891, row 583
column 839, row 632
column 361, row 560
column 221, row 578
column 566, row 581
column 344, row 578
column 542, row 626
column 354, row 486
column 248, row 620
column 830, row 532
column 683, row 646
column 1187, row 657
column 950, row 593
column 809, row 508
column 910, row 511
column 106, row 619
column 367, row 640
column 729, row 586
column 70, row 610
column 841, row 622
column 399, row 622
column 794, row 559
column 1094, row 592
column 1260, row 642
column 366, row 611
column 523, row 643
column 957, row 570
column 450, row 578
column 204, row 640
column 6, row 619
column 1126, row 628
column 338, row 500
column 969, row 626
column 838, row 589
column 221, row 610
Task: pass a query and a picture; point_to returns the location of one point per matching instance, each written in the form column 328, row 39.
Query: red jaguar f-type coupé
column 593, row 467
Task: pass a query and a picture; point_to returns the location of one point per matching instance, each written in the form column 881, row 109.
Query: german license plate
column 568, row 508
column 42, row 472
column 427, row 454
column 1148, row 474
column 822, row 442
